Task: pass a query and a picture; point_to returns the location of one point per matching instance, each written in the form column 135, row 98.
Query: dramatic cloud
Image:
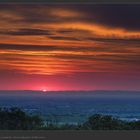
column 26, row 32
column 51, row 39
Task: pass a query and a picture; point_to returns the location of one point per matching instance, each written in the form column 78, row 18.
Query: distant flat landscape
column 74, row 106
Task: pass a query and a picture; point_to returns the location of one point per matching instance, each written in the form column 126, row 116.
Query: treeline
column 17, row 119
column 98, row 122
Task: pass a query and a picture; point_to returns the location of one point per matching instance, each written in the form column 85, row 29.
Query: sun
column 44, row 90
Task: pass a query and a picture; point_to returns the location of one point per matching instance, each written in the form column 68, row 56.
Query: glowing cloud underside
column 53, row 39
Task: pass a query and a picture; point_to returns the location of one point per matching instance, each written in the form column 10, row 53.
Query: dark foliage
column 103, row 122
column 107, row 122
column 16, row 119
column 134, row 125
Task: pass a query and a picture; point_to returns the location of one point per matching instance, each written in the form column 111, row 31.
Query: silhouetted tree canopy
column 103, row 122
column 16, row 119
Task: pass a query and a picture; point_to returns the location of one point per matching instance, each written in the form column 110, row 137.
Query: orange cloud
column 64, row 13
column 74, row 52
column 97, row 30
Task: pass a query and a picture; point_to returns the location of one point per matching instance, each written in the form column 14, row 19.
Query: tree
column 103, row 122
column 16, row 119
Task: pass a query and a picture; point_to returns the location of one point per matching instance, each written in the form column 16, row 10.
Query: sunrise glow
column 44, row 90
column 69, row 47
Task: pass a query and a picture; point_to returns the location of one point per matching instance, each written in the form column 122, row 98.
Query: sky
column 69, row 47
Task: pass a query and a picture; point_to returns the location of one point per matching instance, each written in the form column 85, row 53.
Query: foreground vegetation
column 16, row 119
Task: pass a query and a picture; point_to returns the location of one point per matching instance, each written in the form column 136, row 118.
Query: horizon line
column 70, row 90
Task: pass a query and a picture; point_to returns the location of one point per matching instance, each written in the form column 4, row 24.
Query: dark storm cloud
column 64, row 38
column 26, row 31
column 26, row 47
column 32, row 13
column 124, row 40
column 106, row 46
column 71, row 31
column 45, row 48
column 125, row 16
column 130, row 59
column 29, row 13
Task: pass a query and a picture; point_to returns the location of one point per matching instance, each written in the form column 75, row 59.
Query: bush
column 16, row 119
column 103, row 122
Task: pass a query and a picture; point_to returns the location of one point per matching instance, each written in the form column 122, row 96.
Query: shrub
column 103, row 122
column 16, row 119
